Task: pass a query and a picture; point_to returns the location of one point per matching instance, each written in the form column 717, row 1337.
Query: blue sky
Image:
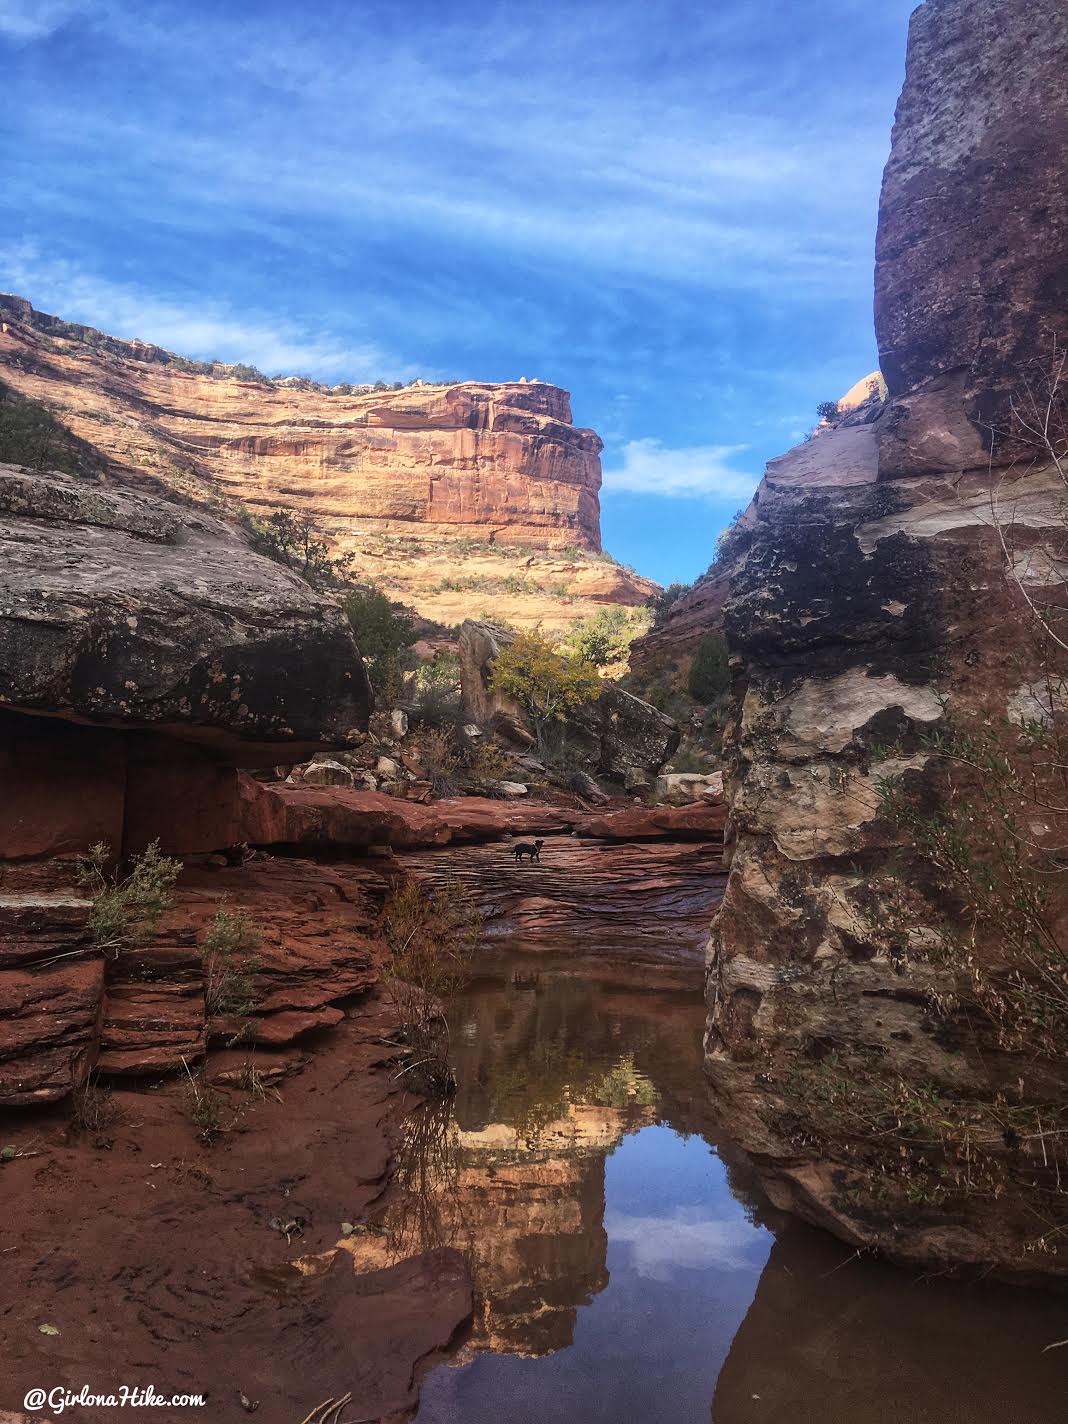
column 667, row 208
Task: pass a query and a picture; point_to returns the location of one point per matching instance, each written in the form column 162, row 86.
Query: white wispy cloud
column 687, row 1240
column 585, row 164
column 26, row 20
column 696, row 471
column 210, row 331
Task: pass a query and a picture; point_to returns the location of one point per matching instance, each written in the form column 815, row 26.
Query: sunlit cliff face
column 458, row 499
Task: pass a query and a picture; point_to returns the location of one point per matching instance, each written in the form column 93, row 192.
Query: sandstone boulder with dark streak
column 869, row 599
column 124, row 612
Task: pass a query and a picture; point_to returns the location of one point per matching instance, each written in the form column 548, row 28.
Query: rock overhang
column 118, row 612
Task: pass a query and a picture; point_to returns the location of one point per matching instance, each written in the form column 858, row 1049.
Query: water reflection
column 512, row 1172
column 627, row 1270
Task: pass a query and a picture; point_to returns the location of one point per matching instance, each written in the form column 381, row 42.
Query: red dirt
column 152, row 1255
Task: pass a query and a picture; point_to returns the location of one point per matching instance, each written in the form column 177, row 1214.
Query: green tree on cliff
column 662, row 603
column 296, row 541
column 383, row 633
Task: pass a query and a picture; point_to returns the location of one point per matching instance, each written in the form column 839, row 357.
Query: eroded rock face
column 869, row 600
column 145, row 655
column 451, row 497
column 663, row 652
column 972, row 262
column 120, row 611
column 51, row 1026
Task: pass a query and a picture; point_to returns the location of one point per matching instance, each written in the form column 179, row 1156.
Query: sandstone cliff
column 457, row 499
column 871, row 606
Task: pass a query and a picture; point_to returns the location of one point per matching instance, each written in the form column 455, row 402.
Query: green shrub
column 440, row 762
column 241, row 372
column 205, row 1106
column 437, row 692
column 126, row 910
column 709, row 675
column 827, row 410
column 383, row 633
column 662, row 603
column 229, row 964
column 30, row 435
column 733, row 540
column 606, row 637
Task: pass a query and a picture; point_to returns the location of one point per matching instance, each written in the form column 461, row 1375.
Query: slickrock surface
column 332, row 817
column 868, row 595
column 454, row 499
column 642, row 908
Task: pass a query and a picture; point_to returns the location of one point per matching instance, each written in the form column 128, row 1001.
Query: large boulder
column 126, row 612
column 612, row 734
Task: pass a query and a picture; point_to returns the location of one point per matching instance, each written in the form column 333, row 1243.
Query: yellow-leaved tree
column 546, row 683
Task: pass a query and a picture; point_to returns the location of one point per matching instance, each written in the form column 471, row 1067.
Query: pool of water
column 626, row 1266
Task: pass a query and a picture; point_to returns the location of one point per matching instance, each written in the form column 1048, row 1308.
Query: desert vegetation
column 384, row 633
column 604, row 639
column 296, row 541
column 431, row 934
column 547, row 683
column 126, row 908
column 32, row 436
column 230, row 962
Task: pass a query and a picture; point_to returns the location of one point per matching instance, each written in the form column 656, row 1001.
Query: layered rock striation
column 875, row 604
column 146, row 656
column 454, row 498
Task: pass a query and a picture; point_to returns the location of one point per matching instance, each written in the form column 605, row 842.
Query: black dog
column 531, row 848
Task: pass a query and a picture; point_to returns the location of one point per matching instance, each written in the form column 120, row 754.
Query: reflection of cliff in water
column 512, row 1171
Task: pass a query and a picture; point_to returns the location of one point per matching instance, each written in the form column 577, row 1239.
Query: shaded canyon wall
column 870, row 605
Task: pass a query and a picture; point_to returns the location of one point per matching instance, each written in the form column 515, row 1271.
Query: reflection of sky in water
column 683, row 1261
column 688, row 1240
